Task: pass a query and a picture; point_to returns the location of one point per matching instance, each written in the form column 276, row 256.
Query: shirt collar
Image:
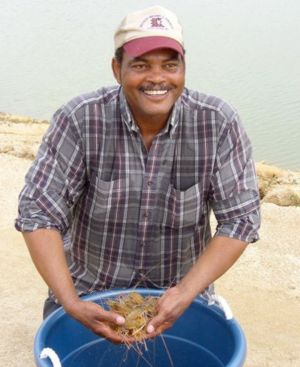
column 125, row 112
column 128, row 119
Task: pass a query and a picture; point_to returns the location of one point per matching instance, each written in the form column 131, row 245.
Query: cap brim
column 140, row 46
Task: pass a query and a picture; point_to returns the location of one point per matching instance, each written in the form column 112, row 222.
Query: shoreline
column 262, row 288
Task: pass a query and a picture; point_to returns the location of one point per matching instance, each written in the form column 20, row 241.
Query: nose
column 156, row 75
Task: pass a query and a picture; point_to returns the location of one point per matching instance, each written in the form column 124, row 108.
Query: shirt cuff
column 30, row 225
column 244, row 228
column 48, row 210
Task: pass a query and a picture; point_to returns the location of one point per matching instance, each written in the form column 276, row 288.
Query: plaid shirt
column 135, row 215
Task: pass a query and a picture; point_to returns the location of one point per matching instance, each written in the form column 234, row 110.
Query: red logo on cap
column 156, row 22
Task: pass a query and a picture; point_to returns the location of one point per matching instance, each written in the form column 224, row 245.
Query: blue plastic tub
column 201, row 337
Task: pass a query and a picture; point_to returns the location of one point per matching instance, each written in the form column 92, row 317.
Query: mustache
column 154, row 87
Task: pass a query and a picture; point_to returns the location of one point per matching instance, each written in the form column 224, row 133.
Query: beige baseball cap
column 149, row 29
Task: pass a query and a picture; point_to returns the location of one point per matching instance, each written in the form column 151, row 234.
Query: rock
column 284, row 195
column 278, row 186
column 267, row 177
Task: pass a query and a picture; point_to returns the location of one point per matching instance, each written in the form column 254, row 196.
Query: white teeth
column 155, row 92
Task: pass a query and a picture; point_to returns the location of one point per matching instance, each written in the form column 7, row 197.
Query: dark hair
column 119, row 54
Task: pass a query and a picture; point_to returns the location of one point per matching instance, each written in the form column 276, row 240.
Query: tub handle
column 49, row 353
column 223, row 304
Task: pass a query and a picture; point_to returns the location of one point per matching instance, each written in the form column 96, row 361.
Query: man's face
column 152, row 83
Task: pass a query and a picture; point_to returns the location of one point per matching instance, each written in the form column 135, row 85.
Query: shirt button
column 149, row 183
column 146, row 215
column 142, row 244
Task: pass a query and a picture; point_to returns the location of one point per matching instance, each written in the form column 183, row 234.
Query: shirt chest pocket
column 114, row 201
column 182, row 208
column 109, row 197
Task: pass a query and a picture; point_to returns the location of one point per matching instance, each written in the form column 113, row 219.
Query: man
column 132, row 172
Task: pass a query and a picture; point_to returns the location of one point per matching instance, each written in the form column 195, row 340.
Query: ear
column 116, row 68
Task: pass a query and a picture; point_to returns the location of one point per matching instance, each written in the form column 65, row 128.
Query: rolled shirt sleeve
column 234, row 192
column 55, row 180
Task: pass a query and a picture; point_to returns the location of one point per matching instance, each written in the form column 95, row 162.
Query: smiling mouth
column 155, row 92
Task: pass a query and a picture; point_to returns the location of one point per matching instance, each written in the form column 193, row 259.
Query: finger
column 105, row 331
column 158, row 322
column 111, row 317
column 159, row 330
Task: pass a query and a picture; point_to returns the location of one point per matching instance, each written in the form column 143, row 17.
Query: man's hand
column 47, row 252
column 170, row 306
column 219, row 256
column 95, row 318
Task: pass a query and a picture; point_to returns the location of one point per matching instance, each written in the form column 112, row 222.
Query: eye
column 139, row 66
column 171, row 66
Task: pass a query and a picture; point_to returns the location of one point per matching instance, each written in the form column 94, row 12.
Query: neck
column 150, row 127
